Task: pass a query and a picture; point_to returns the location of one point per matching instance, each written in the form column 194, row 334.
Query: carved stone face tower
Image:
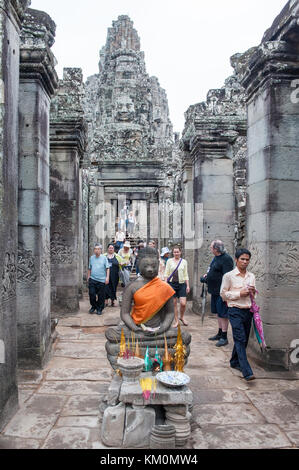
column 130, row 141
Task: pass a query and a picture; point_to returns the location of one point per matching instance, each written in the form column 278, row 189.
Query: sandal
column 176, row 325
column 184, row 322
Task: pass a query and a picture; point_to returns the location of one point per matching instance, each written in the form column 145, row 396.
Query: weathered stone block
column 113, row 426
column 139, row 423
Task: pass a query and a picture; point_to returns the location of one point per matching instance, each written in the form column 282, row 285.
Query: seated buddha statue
column 147, row 312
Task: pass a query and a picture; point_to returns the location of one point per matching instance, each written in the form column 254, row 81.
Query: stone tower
column 130, row 136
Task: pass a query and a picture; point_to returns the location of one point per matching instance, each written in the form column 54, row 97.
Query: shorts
column 218, row 306
column 180, row 289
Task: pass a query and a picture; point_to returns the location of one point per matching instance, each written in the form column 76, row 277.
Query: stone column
column 272, row 82
column 11, row 14
column 67, row 144
column 38, row 81
column 212, row 138
column 214, row 204
column 188, row 217
column 96, row 215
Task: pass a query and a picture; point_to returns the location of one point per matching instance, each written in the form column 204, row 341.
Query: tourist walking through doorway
column 114, row 261
column 236, row 288
column 176, row 274
column 221, row 264
column 97, row 278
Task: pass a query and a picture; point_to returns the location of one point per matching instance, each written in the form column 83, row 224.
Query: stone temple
column 73, row 155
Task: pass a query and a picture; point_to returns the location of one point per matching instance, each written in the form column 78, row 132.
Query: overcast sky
column 187, row 43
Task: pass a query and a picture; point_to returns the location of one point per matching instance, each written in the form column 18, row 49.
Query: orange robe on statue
column 149, row 300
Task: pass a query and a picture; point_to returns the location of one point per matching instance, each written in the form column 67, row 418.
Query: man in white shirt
column 235, row 290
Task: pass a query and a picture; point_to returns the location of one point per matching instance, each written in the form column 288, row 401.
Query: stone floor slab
column 76, row 387
column 213, row 382
column 292, row 432
column 70, row 321
column 96, row 374
column 80, row 349
column 36, row 418
column 292, row 395
column 78, row 422
column 82, row 405
column 201, row 397
column 61, row 362
column 19, row 443
column 226, row 414
column 276, row 408
column 68, row 438
column 250, row 436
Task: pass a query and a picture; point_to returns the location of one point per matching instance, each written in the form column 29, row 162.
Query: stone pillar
column 67, row 144
column 272, row 82
column 38, row 81
column 96, row 216
column 11, row 14
column 85, row 219
column 214, row 134
column 188, row 217
column 214, row 204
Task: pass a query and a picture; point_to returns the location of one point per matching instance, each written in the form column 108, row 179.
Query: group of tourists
column 105, row 271
column 126, row 221
column 231, row 288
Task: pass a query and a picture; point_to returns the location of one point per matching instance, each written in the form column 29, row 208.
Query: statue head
column 125, row 109
column 148, row 262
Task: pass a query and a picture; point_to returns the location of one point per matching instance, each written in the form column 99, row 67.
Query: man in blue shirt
column 97, row 278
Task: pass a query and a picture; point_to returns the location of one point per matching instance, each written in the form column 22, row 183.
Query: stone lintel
column 272, row 62
column 37, row 61
column 285, row 24
column 68, row 134
column 15, row 9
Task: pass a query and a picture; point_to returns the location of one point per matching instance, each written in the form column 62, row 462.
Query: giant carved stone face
column 125, row 109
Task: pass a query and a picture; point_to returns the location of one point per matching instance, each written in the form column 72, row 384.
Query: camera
column 203, row 280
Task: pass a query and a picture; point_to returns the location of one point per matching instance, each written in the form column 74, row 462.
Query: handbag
column 168, row 279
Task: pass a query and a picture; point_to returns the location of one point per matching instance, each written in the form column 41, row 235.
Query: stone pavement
column 59, row 406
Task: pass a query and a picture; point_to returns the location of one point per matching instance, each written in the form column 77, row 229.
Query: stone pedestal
column 38, row 81
column 67, row 143
column 11, row 14
column 129, row 419
column 272, row 82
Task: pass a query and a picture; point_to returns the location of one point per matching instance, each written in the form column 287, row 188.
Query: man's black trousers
column 96, row 294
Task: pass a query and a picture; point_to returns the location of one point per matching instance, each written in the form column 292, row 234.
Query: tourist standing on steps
column 176, row 274
column 126, row 254
column 114, row 261
column 221, row 264
column 97, row 278
column 119, row 240
column 131, row 224
column 236, row 288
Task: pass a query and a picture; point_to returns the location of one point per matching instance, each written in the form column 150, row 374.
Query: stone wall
column 271, row 78
column 214, row 142
column 67, row 146
column 11, row 15
column 38, row 81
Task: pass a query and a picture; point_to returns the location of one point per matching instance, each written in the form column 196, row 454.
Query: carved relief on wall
column 26, row 265
column 9, row 277
column 46, row 264
column 61, row 253
column 286, row 265
column 258, row 260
